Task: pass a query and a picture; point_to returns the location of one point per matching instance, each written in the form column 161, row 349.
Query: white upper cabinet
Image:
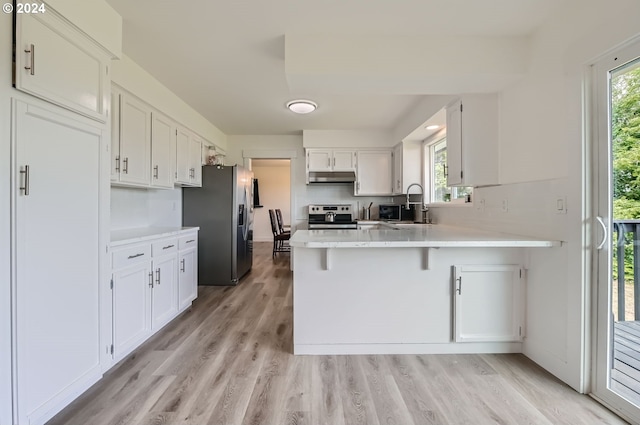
column 374, row 173
column 472, row 141
column 162, row 148
column 188, row 158
column 115, row 135
column 56, row 62
column 135, row 141
column 406, row 166
column 330, row 160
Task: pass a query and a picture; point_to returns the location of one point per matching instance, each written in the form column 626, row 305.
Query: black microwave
column 389, row 212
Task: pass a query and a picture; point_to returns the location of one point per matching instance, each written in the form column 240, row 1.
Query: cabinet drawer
column 164, row 246
column 131, row 255
column 188, row 241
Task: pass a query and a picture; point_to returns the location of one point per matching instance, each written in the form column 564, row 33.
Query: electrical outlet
column 175, row 205
column 505, row 205
column 561, row 205
column 480, row 205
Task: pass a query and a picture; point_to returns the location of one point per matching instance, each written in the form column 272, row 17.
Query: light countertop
column 141, row 234
column 417, row 235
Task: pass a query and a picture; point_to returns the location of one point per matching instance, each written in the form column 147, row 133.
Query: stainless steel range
column 331, row 217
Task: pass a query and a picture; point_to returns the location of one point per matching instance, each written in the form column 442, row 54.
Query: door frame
column 597, row 184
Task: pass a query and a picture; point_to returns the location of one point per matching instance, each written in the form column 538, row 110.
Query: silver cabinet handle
column 158, row 276
column 334, row 161
column 118, row 164
column 191, row 240
column 168, row 246
column 125, row 168
column 182, row 265
column 459, row 289
column 135, row 256
column 155, row 172
column 25, row 188
column 605, row 232
column 151, row 279
column 328, row 162
column 32, row 51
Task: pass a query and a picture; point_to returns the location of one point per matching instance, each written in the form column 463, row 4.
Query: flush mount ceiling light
column 302, row 106
column 432, row 127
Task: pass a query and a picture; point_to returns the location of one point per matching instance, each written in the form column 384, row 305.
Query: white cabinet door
column 195, row 161
column 374, row 172
column 319, row 160
column 57, row 192
column 343, row 161
column 135, row 141
column 454, row 144
column 397, row 169
column 472, row 141
column 187, row 278
column 183, row 160
column 164, row 303
column 489, row 303
column 115, row 135
column 131, row 308
column 56, row 62
column 162, row 141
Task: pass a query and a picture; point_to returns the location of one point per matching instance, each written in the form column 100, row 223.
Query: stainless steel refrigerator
column 223, row 210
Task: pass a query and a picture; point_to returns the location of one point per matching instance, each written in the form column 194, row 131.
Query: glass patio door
column 617, row 231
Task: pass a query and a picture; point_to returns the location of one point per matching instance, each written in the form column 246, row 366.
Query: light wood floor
column 228, row 361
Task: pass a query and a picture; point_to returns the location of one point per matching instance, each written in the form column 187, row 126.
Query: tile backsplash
column 132, row 208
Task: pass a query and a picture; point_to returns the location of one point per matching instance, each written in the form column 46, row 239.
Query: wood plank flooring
column 625, row 375
column 228, row 361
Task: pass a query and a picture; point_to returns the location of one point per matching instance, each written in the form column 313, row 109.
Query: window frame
column 428, row 171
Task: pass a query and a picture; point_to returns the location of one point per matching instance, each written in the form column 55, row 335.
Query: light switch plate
column 480, row 205
column 505, row 205
column 561, row 205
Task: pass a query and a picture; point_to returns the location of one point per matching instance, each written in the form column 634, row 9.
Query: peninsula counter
column 409, row 289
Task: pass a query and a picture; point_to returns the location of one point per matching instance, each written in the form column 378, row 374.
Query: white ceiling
column 227, row 58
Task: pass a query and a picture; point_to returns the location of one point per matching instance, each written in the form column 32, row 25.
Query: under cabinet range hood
column 332, row 177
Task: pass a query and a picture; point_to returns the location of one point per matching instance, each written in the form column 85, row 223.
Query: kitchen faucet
column 423, row 210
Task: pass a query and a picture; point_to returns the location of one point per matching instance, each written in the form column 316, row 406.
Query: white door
column 489, row 303
column 374, row 173
column 187, row 278
column 164, row 304
column 319, row 160
column 453, row 173
column 131, row 308
column 183, row 164
column 616, row 357
column 135, row 141
column 56, row 281
column 162, row 136
column 344, row 161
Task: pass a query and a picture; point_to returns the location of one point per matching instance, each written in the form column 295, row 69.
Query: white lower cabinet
column 187, row 278
column 148, row 279
column 489, row 303
column 131, row 307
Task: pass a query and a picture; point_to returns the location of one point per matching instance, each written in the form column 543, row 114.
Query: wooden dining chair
column 280, row 240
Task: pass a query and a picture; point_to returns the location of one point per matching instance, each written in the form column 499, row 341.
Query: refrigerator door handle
column 245, row 222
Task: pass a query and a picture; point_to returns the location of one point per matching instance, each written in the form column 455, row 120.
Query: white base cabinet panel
column 56, row 203
column 187, row 278
column 164, row 302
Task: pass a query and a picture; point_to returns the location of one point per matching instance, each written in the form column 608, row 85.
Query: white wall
column 542, row 144
column 274, row 178
column 346, row 139
column 129, row 75
column 132, row 208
